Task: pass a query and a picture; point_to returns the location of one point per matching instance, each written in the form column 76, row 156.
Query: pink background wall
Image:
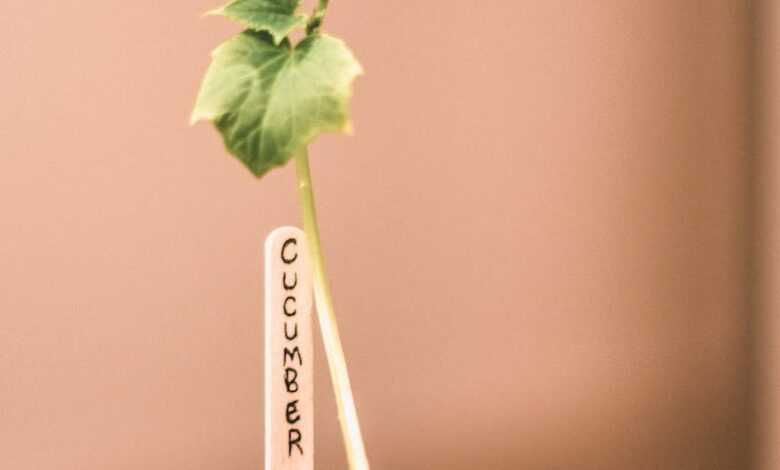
column 536, row 239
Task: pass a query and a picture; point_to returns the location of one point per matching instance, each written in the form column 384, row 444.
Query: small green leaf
column 278, row 17
column 270, row 101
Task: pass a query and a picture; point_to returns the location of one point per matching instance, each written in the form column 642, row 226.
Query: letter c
column 288, row 242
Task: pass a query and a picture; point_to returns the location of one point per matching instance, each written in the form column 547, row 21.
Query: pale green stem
column 317, row 17
column 350, row 427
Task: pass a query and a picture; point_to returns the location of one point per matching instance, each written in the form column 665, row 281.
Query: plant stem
column 317, row 17
column 350, row 427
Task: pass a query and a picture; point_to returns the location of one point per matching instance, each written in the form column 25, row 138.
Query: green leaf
column 278, row 17
column 270, row 101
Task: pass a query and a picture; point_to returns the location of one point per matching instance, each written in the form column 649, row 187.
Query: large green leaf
column 278, row 17
column 270, row 101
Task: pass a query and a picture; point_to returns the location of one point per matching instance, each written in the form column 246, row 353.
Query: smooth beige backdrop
column 537, row 239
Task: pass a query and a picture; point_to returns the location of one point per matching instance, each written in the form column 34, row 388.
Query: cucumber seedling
column 270, row 98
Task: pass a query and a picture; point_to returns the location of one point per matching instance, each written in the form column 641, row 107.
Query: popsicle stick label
column 289, row 351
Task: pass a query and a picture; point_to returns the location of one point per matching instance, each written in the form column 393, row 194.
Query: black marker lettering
column 291, row 354
column 290, row 241
column 293, row 439
column 288, row 286
column 284, row 307
column 287, row 335
column 292, row 414
column 291, row 380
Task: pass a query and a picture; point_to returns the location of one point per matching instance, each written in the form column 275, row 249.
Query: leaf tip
column 198, row 116
column 215, row 12
column 347, row 128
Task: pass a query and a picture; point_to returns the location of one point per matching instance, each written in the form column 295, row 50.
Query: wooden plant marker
column 289, row 352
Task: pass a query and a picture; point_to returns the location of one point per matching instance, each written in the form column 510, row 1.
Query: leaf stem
column 314, row 24
column 348, row 419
